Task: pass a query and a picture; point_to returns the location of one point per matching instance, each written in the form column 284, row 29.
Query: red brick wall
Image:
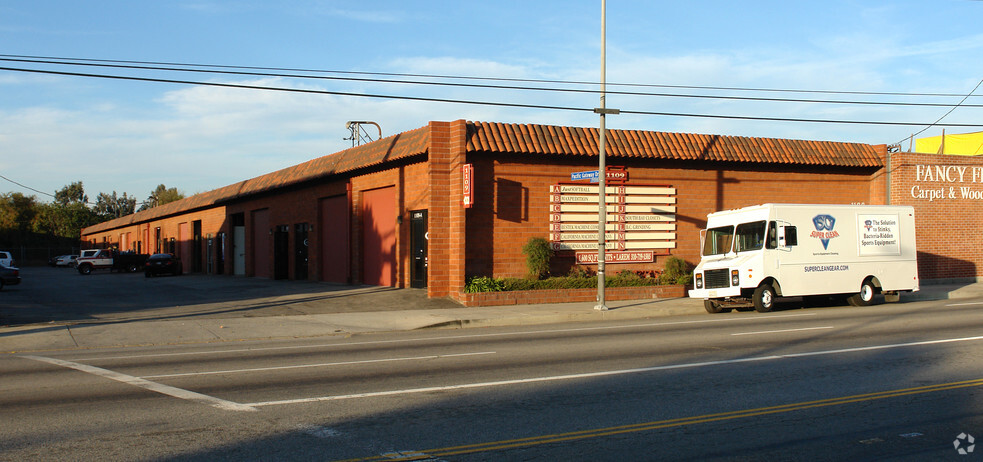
column 948, row 227
column 512, row 201
column 288, row 207
column 410, row 182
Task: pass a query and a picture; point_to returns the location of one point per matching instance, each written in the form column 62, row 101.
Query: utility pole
column 602, row 206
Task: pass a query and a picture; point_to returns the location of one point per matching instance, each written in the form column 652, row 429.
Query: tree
column 73, row 193
column 64, row 220
column 160, row 196
column 17, row 211
column 112, row 206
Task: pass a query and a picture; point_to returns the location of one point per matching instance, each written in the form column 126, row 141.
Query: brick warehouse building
column 432, row 206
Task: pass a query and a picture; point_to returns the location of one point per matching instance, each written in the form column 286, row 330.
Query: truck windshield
column 750, row 236
column 718, row 240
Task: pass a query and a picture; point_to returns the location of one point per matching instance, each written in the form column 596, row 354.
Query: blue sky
column 128, row 136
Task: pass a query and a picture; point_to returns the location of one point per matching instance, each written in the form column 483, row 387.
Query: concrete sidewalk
column 68, row 336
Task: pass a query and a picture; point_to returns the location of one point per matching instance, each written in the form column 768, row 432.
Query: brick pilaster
column 447, row 153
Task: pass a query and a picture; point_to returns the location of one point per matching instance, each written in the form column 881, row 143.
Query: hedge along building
column 433, row 206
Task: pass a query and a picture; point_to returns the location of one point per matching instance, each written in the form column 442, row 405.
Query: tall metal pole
column 602, row 207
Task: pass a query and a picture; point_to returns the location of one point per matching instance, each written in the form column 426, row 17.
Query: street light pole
column 602, row 207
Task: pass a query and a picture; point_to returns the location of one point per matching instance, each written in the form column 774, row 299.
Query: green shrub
column 477, row 284
column 538, row 254
column 583, row 278
column 626, row 277
column 676, row 271
column 581, row 272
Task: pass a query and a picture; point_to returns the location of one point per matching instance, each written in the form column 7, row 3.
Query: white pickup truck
column 111, row 260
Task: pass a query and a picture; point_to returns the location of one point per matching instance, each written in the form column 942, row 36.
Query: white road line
column 588, row 375
column 965, row 304
column 782, row 331
column 755, row 318
column 147, row 385
column 301, row 366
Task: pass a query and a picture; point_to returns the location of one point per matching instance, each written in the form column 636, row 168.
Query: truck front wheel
column 866, row 295
column 712, row 307
column 85, row 269
column 763, row 298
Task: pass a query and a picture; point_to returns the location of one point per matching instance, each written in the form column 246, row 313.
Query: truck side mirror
column 787, row 236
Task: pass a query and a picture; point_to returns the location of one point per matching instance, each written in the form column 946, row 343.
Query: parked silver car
column 66, row 260
column 9, row 276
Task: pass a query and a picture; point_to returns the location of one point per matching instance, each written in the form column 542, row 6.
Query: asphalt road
column 890, row 382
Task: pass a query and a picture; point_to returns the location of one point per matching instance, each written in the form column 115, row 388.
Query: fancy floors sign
column 947, row 182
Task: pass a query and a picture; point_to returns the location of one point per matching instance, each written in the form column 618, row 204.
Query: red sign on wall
column 468, row 174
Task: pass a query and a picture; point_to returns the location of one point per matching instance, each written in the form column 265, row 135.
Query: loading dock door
column 334, row 240
column 184, row 243
column 379, row 236
column 261, row 234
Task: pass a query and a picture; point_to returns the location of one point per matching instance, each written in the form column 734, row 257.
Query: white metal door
column 239, row 250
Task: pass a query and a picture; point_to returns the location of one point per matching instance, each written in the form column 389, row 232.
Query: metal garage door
column 334, row 229
column 379, row 236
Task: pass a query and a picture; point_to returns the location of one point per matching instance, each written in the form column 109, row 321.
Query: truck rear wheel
column 866, row 295
column 763, row 298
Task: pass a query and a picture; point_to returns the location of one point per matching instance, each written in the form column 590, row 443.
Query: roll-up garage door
column 379, row 236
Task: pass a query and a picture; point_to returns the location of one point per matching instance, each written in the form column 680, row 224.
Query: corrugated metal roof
column 543, row 139
column 530, row 139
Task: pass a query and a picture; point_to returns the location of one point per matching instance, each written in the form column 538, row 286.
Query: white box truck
column 752, row 255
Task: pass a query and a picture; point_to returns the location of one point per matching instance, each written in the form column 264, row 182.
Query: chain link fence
column 39, row 256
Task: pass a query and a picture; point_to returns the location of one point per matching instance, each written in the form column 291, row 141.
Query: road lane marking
column 756, row 318
column 965, row 304
column 302, row 366
column 590, row 375
column 782, row 331
column 147, row 385
column 684, row 421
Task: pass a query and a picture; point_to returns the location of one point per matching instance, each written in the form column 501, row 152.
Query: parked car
column 63, row 260
column 9, row 276
column 163, row 263
column 6, row 258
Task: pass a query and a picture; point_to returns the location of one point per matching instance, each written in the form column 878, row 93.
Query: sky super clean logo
column 824, row 229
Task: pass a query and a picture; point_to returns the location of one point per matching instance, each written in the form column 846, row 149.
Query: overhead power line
column 27, row 187
column 62, row 60
column 470, row 102
column 958, row 105
column 242, row 70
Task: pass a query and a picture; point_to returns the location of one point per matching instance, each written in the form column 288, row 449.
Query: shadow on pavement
column 61, row 295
